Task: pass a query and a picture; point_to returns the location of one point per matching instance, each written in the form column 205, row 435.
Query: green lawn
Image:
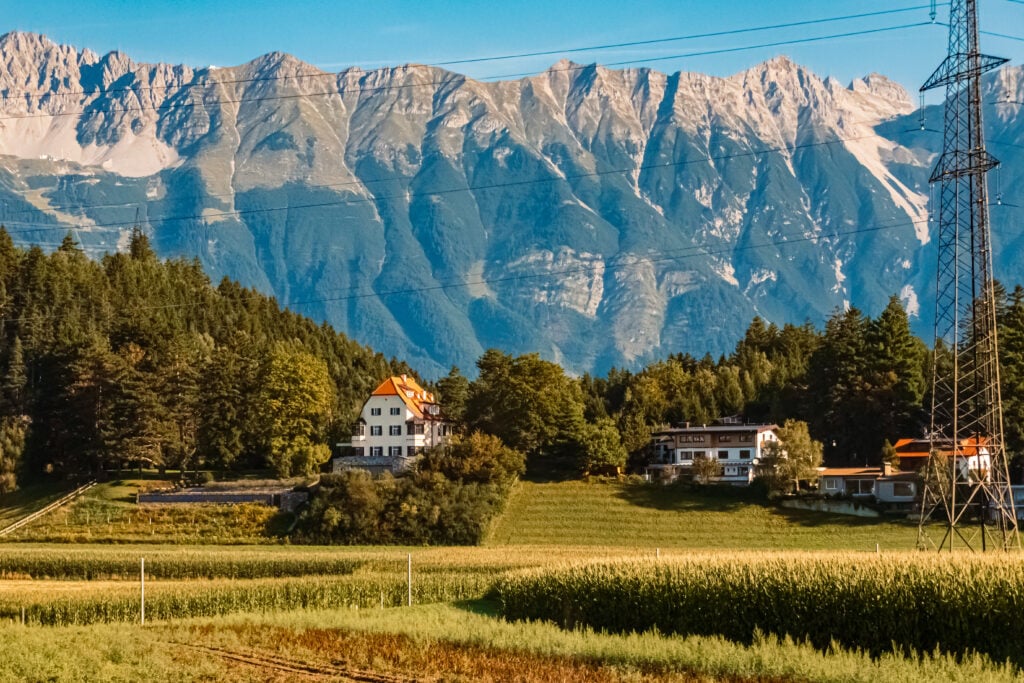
column 575, row 513
column 108, row 513
column 565, row 513
column 28, row 499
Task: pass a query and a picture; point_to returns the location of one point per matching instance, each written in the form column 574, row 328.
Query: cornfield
column 88, row 564
column 173, row 600
column 876, row 603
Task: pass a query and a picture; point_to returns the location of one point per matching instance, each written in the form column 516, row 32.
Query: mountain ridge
column 598, row 216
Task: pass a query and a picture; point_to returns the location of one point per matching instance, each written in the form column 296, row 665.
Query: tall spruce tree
column 837, row 388
column 895, row 379
column 1011, row 356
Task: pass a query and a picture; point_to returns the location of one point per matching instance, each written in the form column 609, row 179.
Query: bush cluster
column 450, row 499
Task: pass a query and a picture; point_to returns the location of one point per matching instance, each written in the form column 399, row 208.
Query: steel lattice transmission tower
column 967, row 497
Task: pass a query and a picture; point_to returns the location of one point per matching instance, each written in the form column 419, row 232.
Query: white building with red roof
column 398, row 422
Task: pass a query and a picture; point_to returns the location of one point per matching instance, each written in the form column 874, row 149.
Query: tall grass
column 919, row 602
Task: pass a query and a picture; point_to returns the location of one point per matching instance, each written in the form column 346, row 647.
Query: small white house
column 398, row 422
column 858, row 482
column 735, row 446
column 898, row 490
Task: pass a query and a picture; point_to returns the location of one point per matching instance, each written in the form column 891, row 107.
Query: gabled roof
column 919, row 448
column 417, row 399
column 849, row 471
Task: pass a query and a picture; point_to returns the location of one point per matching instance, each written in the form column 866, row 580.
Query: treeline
column 132, row 360
column 859, row 382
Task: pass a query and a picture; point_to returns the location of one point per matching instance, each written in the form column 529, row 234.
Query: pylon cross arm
column 959, row 67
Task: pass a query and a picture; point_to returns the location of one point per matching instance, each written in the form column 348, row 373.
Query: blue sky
column 334, row 35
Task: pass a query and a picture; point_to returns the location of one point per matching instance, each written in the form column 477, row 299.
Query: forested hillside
column 861, row 381
column 133, row 360
column 130, row 360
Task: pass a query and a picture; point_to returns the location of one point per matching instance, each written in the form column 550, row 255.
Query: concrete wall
column 838, row 507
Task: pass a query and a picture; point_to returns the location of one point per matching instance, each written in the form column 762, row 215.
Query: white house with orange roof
column 398, row 421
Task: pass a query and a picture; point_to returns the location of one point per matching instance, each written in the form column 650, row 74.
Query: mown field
column 646, row 516
column 273, row 611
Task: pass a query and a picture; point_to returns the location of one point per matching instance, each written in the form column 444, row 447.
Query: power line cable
column 1002, row 35
column 617, row 261
column 28, row 227
column 694, row 36
column 318, row 186
column 794, row 41
column 477, row 60
column 697, row 251
column 173, row 105
column 453, row 190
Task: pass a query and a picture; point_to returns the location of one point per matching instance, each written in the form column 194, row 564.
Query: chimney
column 405, row 378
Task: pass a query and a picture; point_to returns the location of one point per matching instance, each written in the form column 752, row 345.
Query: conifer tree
column 895, row 374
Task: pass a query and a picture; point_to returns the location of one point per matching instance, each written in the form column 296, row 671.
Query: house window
column 396, row 411
column 394, row 451
column 358, row 451
column 745, row 455
column 860, row 486
column 375, row 430
column 743, row 470
column 831, row 485
column 699, row 454
column 724, row 438
column 902, row 488
column 395, row 430
column 723, row 455
column 414, row 428
column 376, row 451
column 360, row 430
column 374, row 411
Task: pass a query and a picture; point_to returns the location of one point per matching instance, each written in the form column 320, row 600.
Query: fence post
column 409, row 578
column 142, row 590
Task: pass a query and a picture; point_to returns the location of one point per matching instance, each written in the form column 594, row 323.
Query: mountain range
column 598, row 217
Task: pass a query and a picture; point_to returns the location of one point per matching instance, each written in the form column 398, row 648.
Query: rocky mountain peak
column 885, row 90
column 597, row 216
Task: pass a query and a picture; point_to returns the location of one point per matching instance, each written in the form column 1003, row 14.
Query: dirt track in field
column 291, row 668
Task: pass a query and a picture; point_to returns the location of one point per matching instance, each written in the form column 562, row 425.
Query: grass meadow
column 229, row 600
column 616, row 514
